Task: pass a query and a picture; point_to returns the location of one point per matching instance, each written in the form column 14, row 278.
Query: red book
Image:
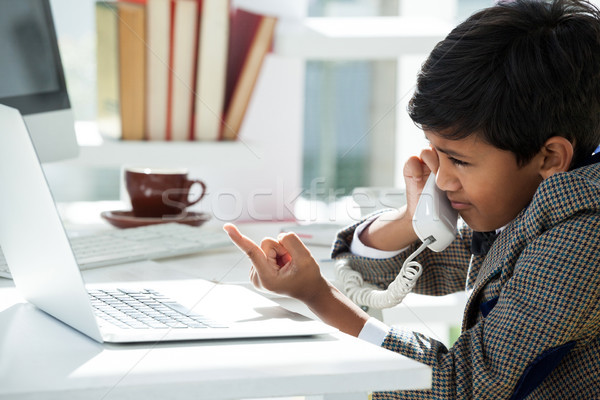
column 251, row 38
column 242, row 29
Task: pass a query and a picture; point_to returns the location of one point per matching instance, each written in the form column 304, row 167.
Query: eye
column 457, row 162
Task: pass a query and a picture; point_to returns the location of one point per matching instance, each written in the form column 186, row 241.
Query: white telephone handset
column 434, row 218
column 434, row 223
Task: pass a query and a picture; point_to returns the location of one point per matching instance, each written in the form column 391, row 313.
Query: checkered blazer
column 531, row 327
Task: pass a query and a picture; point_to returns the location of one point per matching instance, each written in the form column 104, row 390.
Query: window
column 349, row 118
column 357, row 132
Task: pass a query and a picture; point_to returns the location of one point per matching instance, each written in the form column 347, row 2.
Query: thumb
column 293, row 245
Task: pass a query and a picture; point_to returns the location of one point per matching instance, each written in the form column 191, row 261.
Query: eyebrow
column 450, row 152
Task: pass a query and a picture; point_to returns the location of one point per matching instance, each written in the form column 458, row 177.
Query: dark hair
column 516, row 74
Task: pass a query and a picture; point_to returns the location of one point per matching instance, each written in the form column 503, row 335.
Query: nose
column 446, row 180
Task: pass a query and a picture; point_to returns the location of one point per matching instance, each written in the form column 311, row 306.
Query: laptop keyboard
column 117, row 246
column 143, row 309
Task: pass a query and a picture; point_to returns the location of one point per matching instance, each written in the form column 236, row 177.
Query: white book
column 212, row 69
column 184, row 66
column 158, row 14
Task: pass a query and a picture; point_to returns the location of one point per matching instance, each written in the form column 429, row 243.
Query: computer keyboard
column 141, row 243
column 145, row 308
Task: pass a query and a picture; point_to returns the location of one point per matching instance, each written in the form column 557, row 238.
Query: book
column 132, row 69
column 158, row 30
column 282, row 9
column 242, row 29
column 212, row 69
column 251, row 39
column 107, row 72
column 182, row 56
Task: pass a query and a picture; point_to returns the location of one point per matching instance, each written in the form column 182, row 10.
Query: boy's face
column 482, row 182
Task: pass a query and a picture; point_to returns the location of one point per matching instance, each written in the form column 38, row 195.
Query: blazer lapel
column 498, row 264
column 489, row 271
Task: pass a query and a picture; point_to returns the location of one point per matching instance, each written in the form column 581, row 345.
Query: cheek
column 496, row 206
column 489, row 201
column 492, row 188
column 491, row 206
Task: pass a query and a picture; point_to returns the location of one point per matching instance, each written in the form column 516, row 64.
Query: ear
column 557, row 155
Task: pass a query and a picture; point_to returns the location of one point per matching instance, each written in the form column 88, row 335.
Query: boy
column 510, row 102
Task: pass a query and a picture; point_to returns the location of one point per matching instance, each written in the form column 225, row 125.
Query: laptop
column 46, row 273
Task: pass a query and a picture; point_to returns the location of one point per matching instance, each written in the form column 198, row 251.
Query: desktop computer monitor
column 32, row 78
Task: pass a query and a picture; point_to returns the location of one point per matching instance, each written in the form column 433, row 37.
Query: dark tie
column 482, row 242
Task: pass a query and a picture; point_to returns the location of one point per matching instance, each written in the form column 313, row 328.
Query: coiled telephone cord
column 366, row 294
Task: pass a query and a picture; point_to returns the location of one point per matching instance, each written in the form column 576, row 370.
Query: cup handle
column 188, row 187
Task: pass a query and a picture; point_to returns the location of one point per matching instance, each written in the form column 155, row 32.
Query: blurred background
column 355, row 130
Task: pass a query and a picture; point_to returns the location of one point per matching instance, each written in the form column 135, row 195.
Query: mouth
column 458, row 205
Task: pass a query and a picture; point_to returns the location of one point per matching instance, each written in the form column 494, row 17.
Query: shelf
column 358, row 38
column 98, row 151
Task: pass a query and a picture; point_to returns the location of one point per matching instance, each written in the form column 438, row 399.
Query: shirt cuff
column 374, row 331
column 360, row 249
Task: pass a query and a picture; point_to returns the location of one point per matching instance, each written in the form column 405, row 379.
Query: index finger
column 430, row 158
column 415, row 169
column 245, row 244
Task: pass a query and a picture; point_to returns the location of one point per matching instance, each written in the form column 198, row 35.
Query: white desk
column 40, row 358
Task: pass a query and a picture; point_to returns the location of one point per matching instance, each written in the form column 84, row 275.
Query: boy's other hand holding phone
column 416, row 171
column 393, row 230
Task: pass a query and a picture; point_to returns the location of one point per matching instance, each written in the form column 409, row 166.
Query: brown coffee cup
column 160, row 192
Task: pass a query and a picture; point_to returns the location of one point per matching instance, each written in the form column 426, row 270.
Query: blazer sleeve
column 443, row 272
column 547, row 300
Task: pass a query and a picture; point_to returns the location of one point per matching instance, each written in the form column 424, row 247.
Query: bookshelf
column 296, row 40
column 269, row 154
column 98, row 151
column 327, row 38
